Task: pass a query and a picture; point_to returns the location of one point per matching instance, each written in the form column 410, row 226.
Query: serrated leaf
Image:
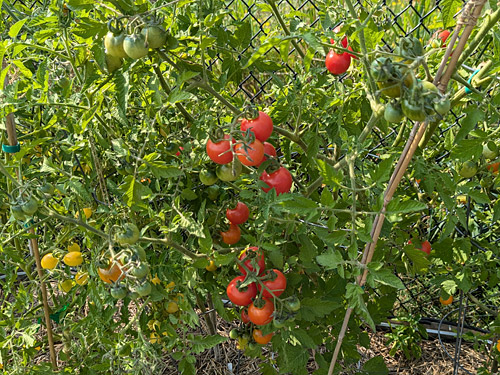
column 293, row 359
column 313, row 308
column 331, row 177
column 330, row 260
column 121, row 81
column 479, row 197
column 448, row 10
column 298, row 204
column 386, row 277
column 375, row 366
column 382, row 171
column 354, row 294
column 303, row 338
column 160, row 169
column 202, row 343
column 191, row 225
column 268, row 44
column 397, row 206
column 467, row 149
column 469, row 122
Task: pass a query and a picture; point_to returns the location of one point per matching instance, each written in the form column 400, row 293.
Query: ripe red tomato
column 252, row 256
column 243, row 296
column 178, row 153
column 259, row 338
column 244, row 316
column 220, row 152
column 443, row 35
column 262, row 126
column 426, row 246
column 493, row 167
column 250, row 155
column 281, row 180
column 232, row 235
column 269, row 150
column 337, row 63
column 276, row 285
column 261, row 315
column 239, row 214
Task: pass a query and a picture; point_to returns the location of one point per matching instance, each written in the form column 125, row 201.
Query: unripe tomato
column 73, row 259
column 135, row 46
column 119, row 292
column 393, row 113
column 140, row 271
column 49, row 262
column 144, row 289
column 113, row 63
column 155, row 36
column 30, row 207
column 129, row 235
column 229, row 172
column 468, row 169
column 208, row 177
column 261, row 127
column 261, row 339
column 114, row 44
column 337, row 63
column 490, row 150
column 66, row 285
column 442, row 106
column 413, row 110
column 239, row 214
column 172, row 307
column 17, row 212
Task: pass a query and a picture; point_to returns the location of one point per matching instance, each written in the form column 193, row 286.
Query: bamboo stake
column 469, row 18
column 12, row 139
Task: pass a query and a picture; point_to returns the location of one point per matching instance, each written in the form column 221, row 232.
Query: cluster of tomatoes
column 236, row 216
column 416, row 99
column 338, row 63
column 255, row 290
column 73, row 258
column 251, row 151
column 119, row 45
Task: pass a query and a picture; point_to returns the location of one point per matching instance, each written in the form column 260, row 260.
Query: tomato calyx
column 410, row 48
column 117, row 29
column 251, row 113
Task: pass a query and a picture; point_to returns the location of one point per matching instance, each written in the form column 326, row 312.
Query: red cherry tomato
column 262, row 126
column 239, row 214
column 276, row 286
column 249, row 261
column 281, row 181
column 337, row 63
column 250, row 155
column 240, row 296
column 178, row 153
column 269, row 150
column 220, row 152
column 259, row 338
column 232, row 235
column 443, row 35
column 426, row 246
column 261, row 315
column 244, row 316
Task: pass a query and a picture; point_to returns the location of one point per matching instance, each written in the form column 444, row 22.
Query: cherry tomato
column 135, row 46
column 276, row 284
column 280, row 180
column 337, row 63
column 468, row 169
column 493, row 167
column 220, row 152
column 413, row 110
column 442, row 106
column 269, row 150
column 154, row 35
column 261, row 315
column 446, row 302
column 114, row 44
column 111, row 274
column 442, row 35
column 426, row 247
column 393, row 113
column 261, row 127
column 259, row 338
column 244, row 316
column 129, row 235
column 490, row 150
column 232, row 235
column 229, row 172
column 239, row 214
column 208, row 177
column 240, row 296
column 252, row 261
column 250, row 155
column 293, row 304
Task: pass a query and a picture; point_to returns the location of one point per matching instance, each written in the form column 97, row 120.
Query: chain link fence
column 404, row 18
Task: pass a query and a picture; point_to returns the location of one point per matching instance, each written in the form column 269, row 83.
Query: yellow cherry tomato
column 498, row 345
column 87, row 211
column 66, row 285
column 73, row 247
column 73, row 259
column 211, row 266
column 82, row 278
column 172, row 307
column 49, row 262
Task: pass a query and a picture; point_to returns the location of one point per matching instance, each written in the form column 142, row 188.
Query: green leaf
column 479, row 197
column 121, row 81
column 375, row 366
column 448, row 10
column 292, row 359
column 382, row 171
column 202, row 343
column 15, row 28
column 313, row 308
column 386, row 277
column 467, row 149
column 469, row 122
column 397, row 206
column 330, row 260
column 266, row 46
column 331, row 177
column 297, row 204
column 161, row 169
column 188, row 223
column 186, row 367
column 303, row 338
column 354, row 295
column 417, row 256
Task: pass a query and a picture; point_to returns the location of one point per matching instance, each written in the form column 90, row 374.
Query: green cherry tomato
column 140, row 271
column 229, row 172
column 114, row 44
column 468, row 169
column 490, row 150
column 208, row 177
column 213, row 192
column 171, row 148
column 140, row 253
column 135, row 46
column 30, row 207
column 155, row 36
column 17, row 212
column 129, row 235
column 393, row 112
column 442, row 106
column 413, row 110
column 292, row 304
column 48, row 189
column 144, row 289
column 234, row 334
column 118, row 292
column 113, row 63
column 279, row 322
column 382, row 69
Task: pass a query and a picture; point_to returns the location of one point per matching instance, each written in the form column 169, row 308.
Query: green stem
column 70, row 56
column 284, row 27
column 174, row 245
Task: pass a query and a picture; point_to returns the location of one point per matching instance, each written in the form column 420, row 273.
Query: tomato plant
column 253, row 259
